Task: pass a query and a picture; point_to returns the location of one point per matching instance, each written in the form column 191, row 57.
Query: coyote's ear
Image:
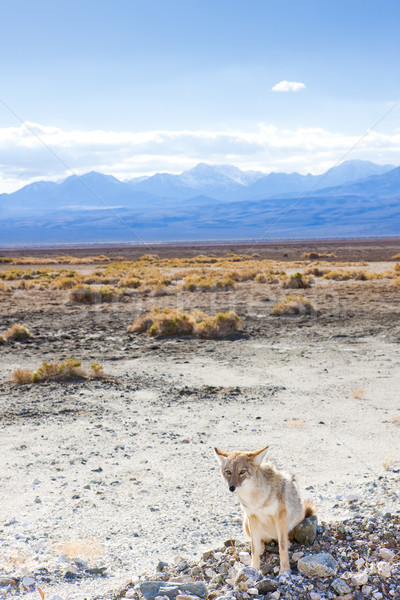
column 257, row 456
column 221, row 455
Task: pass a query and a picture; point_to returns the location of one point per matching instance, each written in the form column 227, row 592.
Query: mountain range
column 354, row 199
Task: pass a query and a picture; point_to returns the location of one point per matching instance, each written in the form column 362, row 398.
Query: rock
column 340, row 586
column 306, row 531
column 182, row 566
column 266, row 585
column 6, row 581
column 96, row 570
column 318, row 565
column 386, row 554
column 80, row 562
column 246, row 573
column 384, row 569
column 245, row 558
column 151, row 589
column 359, row 579
column 296, row 556
column 161, row 565
column 186, row 597
column 28, row 582
column 366, row 590
column 315, row 596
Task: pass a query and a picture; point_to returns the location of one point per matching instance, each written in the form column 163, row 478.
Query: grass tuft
column 67, row 370
column 175, row 322
column 17, row 333
column 293, row 305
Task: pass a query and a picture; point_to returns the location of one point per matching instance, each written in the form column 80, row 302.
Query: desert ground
column 118, row 472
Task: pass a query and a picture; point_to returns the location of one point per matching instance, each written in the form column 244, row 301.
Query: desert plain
column 118, row 471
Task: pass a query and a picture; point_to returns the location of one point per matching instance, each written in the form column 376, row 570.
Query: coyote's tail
column 309, row 508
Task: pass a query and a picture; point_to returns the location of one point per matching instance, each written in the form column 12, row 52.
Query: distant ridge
column 355, row 199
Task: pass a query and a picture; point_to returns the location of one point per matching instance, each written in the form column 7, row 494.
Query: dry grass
column 357, row 393
column 17, row 333
column 317, row 256
column 68, row 370
column 293, row 305
column 82, row 548
column 175, row 322
column 91, row 295
column 296, row 282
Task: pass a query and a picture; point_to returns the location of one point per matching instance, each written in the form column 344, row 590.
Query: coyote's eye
column 243, row 472
column 228, row 472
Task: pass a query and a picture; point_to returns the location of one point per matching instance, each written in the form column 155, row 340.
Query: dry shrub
column 2, row 339
column 396, row 256
column 68, row 370
column 221, row 326
column 357, row 393
column 89, row 295
column 316, row 256
column 4, row 287
column 83, row 548
column 293, row 305
column 129, row 282
column 316, row 271
column 22, row 376
column 174, row 322
column 296, row 282
column 17, row 333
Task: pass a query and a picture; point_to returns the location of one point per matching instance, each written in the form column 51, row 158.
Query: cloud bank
column 33, row 151
column 288, row 86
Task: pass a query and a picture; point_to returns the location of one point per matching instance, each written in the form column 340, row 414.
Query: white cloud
column 33, row 152
column 288, row 86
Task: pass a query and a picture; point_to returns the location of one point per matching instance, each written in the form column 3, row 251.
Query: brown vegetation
column 68, row 370
column 293, row 305
column 17, row 333
column 175, row 322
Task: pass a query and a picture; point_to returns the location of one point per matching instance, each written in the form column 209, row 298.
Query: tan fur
column 270, row 501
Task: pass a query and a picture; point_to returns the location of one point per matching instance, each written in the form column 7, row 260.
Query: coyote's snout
column 270, row 501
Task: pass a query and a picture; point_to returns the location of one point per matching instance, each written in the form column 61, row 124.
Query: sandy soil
column 121, row 472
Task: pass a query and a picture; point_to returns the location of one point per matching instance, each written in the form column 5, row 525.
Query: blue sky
column 133, row 87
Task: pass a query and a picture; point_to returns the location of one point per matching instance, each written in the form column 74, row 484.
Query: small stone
column 96, row 570
column 266, row 585
column 246, row 573
column 315, row 596
column 207, row 555
column 366, row 590
column 182, row 566
column 359, row 563
column 56, row 597
column 245, row 558
column 359, row 579
column 318, row 565
column 296, row 556
column 253, row 591
column 306, row 531
column 340, row 586
column 186, row 597
column 81, row 562
column 28, row 582
column 210, row 573
column 38, row 500
column 352, row 497
column 384, row 569
column 151, row 589
column 161, row 565
column 275, row 595
column 386, row 553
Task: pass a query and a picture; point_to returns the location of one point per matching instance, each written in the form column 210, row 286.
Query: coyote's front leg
column 251, row 526
column 283, row 538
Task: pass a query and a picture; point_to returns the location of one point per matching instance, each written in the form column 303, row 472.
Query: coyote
column 270, row 500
